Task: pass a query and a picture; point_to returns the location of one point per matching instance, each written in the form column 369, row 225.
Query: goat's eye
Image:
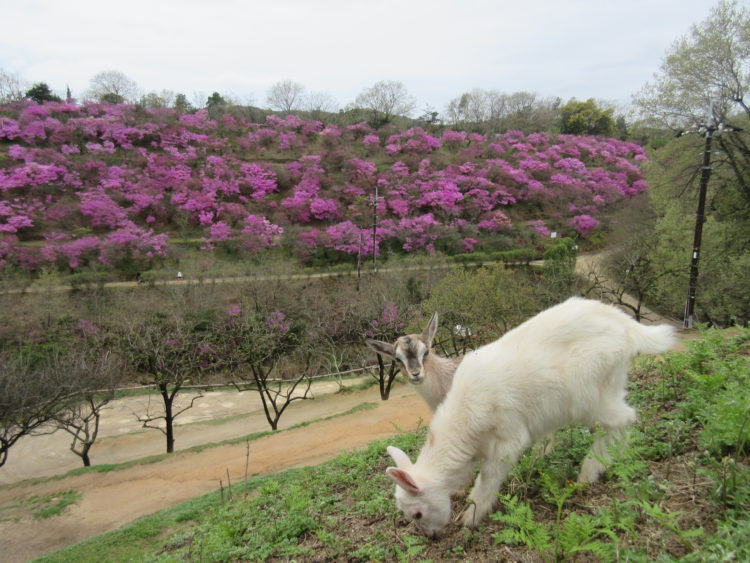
column 426, row 354
column 417, row 516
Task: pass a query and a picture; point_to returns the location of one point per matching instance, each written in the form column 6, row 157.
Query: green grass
column 680, row 490
column 40, row 507
column 52, row 504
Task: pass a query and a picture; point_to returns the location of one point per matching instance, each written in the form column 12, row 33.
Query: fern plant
column 520, row 527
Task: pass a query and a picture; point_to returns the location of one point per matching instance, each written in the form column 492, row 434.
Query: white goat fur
column 567, row 365
column 429, row 373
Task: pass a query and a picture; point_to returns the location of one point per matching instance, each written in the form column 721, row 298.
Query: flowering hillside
column 111, row 183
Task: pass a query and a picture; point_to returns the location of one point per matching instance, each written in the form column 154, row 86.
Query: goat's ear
column 430, row 330
column 403, row 480
column 399, row 457
column 381, row 347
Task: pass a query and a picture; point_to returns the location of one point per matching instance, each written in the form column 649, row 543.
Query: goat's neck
column 441, row 364
column 448, row 455
column 438, row 380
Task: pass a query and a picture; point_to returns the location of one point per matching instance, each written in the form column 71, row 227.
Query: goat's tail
column 650, row 339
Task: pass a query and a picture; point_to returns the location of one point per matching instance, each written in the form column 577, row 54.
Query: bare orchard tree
column 387, row 326
column 168, row 352
column 286, row 95
column 112, row 86
column 385, row 100
column 266, row 353
column 386, row 376
column 34, row 387
column 98, row 371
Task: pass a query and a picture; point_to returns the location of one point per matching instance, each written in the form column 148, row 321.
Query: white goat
column 567, row 365
column 430, row 373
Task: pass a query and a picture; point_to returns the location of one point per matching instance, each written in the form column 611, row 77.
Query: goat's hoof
column 468, row 518
column 591, row 470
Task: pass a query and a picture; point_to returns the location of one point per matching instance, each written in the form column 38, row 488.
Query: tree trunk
column 168, row 419
column 85, row 455
column 385, row 381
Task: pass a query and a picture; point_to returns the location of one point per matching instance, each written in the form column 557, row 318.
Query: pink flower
column 584, row 224
column 219, row 231
column 468, row 244
column 371, row 141
column 539, row 227
column 276, row 322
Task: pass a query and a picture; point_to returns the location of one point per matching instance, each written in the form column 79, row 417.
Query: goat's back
column 553, row 369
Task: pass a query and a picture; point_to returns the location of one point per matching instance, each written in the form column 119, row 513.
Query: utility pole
column 699, row 220
column 374, row 204
column 359, row 260
column 713, row 127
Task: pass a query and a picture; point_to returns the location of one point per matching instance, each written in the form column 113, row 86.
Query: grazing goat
column 430, row 373
column 567, row 365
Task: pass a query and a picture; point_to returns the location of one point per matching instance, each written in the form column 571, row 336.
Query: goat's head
column 429, row 507
column 409, row 351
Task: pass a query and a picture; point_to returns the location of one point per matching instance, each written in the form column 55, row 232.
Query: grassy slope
column 681, row 490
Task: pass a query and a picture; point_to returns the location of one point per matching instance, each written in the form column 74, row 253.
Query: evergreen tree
column 215, row 101
column 40, row 93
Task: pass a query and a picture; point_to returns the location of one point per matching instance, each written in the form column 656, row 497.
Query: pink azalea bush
column 112, row 183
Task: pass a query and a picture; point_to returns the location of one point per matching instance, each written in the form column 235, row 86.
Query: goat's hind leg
column 614, row 423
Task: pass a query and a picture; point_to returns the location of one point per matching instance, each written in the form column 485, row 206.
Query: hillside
column 119, row 186
column 680, row 491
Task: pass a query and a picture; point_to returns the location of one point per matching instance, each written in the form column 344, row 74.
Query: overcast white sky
column 603, row 49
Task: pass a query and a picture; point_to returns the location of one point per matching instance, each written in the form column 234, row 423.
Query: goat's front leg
column 493, row 471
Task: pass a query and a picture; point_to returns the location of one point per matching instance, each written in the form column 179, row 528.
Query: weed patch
column 41, row 507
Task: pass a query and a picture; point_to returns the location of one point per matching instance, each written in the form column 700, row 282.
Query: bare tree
column 267, row 355
column 635, row 274
column 386, row 378
column 473, row 107
column 34, row 387
column 321, row 102
column 167, row 352
column 112, row 86
column 493, row 111
column 11, row 87
column 385, row 100
column 286, row 95
column 97, row 370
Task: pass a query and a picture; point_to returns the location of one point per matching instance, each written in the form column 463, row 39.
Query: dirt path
column 110, row 500
column 122, row 438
